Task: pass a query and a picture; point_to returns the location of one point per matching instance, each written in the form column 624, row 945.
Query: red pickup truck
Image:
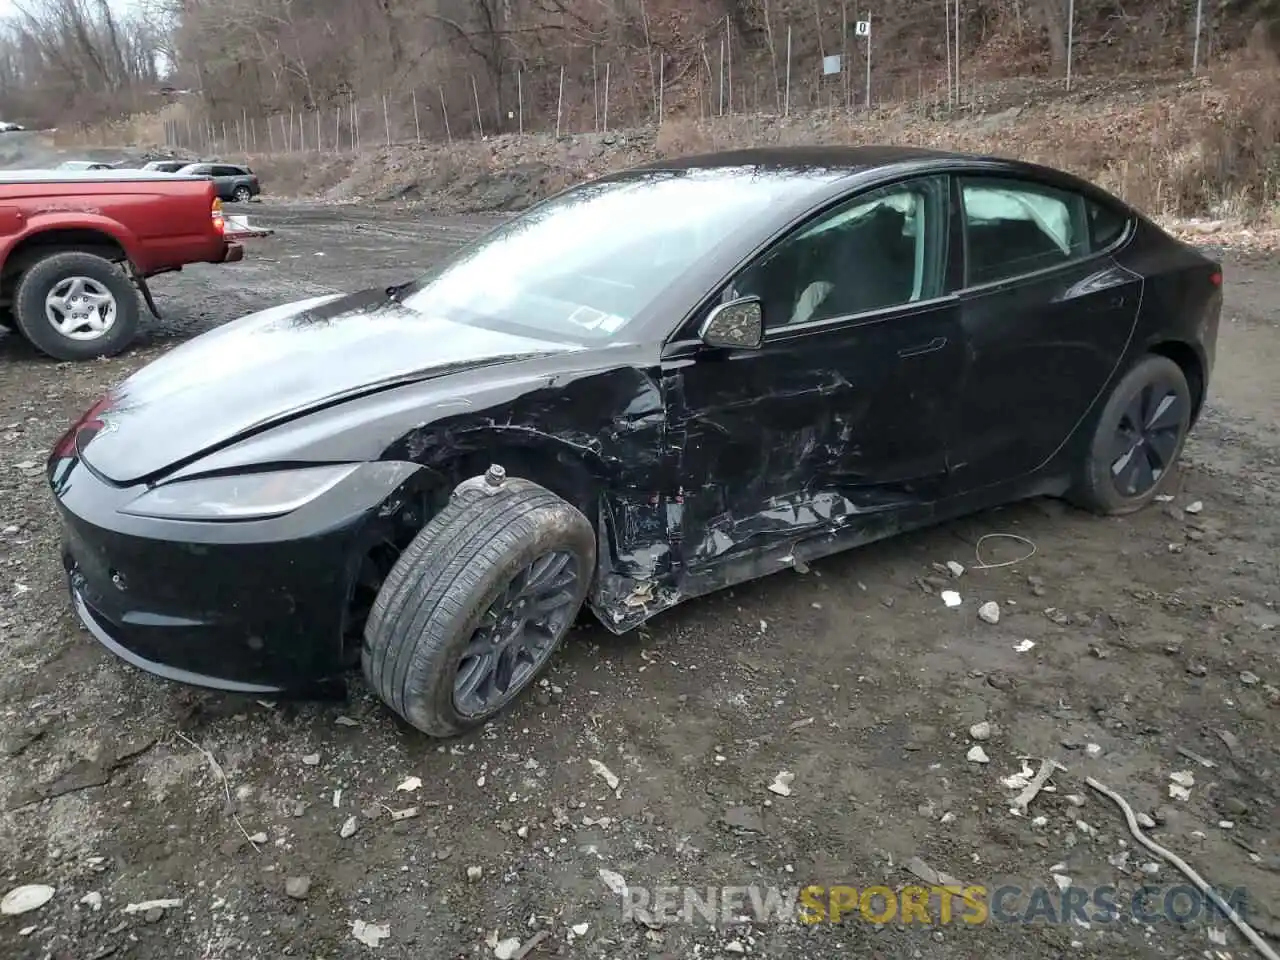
column 76, row 249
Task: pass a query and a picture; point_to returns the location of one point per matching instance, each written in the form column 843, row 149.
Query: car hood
column 272, row 366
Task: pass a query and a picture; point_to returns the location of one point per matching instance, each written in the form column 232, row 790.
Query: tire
column 242, row 194
column 442, row 592
column 43, row 278
column 1151, row 382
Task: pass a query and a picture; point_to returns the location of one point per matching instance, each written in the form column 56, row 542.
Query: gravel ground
column 1153, row 635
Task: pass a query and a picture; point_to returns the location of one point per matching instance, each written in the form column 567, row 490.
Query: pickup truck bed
column 74, row 246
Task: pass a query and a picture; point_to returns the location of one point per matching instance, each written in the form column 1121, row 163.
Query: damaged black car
column 649, row 387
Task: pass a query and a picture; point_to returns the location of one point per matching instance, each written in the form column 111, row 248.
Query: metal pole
column 520, row 98
column 946, row 35
column 868, row 59
column 476, row 93
column 560, row 102
column 319, row 142
column 337, row 129
column 417, row 127
column 728, row 49
column 957, row 51
column 606, row 97
column 721, row 113
column 786, row 102
column 1195, row 50
column 386, row 119
column 1071, row 23
column 662, row 79
column 444, row 112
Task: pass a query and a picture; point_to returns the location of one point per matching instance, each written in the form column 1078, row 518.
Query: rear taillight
column 1216, row 278
column 219, row 222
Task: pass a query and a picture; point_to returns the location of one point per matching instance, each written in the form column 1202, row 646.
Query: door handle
column 937, row 343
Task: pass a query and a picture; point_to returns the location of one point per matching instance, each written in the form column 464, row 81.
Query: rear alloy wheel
column 477, row 605
column 76, row 306
column 1138, row 439
column 242, row 194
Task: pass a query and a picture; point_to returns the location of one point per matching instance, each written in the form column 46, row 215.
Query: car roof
column 808, row 159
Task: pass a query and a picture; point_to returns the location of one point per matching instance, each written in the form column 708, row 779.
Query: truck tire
column 76, row 306
column 476, row 606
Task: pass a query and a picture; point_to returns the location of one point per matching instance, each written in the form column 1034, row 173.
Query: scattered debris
column 1093, row 749
column 409, row 785
column 1146, row 821
column 405, row 814
column 1032, row 789
column 1181, row 783
column 1192, row 755
column 1193, row 507
column 1250, row 679
column 297, row 887
column 348, row 828
column 1020, row 780
column 605, row 774
column 957, row 569
column 475, row 873
column 580, row 929
column 92, row 900
column 146, row 906
column 1227, row 910
column 259, row 838
column 922, row 871
column 614, row 881
column 346, row 722
column 1022, row 646
column 311, row 759
column 977, row 755
column 507, row 949
column 989, row 612
column 951, row 598
column 24, row 899
column 531, row 944
column 980, row 730
column 370, row 934
column 782, row 784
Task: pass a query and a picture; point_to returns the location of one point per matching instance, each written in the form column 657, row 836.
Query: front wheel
column 242, row 194
column 476, row 605
column 1137, row 440
column 76, row 306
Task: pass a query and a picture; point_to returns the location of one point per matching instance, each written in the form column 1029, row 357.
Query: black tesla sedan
column 649, row 387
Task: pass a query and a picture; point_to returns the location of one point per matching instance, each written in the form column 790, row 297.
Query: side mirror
column 738, row 324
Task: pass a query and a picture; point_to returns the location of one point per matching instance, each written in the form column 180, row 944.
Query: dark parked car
column 84, row 165
column 233, row 182
column 165, row 166
column 647, row 388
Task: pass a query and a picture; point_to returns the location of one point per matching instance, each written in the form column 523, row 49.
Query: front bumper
column 247, row 607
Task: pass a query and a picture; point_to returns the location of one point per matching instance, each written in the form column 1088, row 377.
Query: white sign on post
column 831, row 65
column 863, row 28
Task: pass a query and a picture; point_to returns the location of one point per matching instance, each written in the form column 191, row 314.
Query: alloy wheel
column 1146, row 439
column 80, row 308
column 517, row 633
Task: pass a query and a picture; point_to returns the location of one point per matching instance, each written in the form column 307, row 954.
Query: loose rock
column 349, row 827
column 977, row 755
column 980, row 730
column 989, row 612
column 24, row 899
column 297, row 887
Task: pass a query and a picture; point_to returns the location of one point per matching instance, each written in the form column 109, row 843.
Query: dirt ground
column 1152, row 635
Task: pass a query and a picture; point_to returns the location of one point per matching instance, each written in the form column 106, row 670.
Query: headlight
column 249, row 496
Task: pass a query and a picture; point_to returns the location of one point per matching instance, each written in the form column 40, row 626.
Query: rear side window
column 1014, row 227
column 227, row 172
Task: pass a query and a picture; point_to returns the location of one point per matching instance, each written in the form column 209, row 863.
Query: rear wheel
column 242, row 194
column 477, row 605
column 1137, row 440
column 76, row 306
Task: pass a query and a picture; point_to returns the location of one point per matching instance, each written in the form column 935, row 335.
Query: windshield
column 586, row 264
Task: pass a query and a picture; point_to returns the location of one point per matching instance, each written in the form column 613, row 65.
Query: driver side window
column 881, row 249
